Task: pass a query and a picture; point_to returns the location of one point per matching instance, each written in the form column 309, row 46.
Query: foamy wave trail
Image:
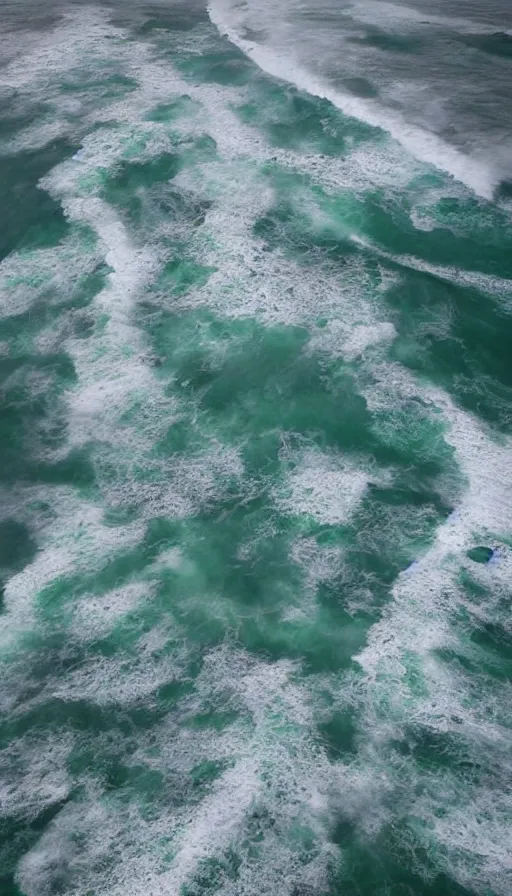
column 235, row 21
column 256, row 482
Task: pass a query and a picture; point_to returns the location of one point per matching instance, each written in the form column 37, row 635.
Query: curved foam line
column 490, row 284
column 426, row 147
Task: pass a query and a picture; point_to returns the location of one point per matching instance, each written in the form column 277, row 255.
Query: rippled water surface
column 255, row 449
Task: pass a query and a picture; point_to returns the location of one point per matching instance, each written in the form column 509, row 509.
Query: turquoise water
column 255, row 464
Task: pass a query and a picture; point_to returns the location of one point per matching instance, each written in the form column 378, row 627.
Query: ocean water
column 256, row 448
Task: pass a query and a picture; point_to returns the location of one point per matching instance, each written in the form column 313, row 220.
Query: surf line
column 425, row 147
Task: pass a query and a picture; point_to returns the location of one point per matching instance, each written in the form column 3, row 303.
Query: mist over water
column 255, row 452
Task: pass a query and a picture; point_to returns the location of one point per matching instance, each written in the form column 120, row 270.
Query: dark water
column 255, row 453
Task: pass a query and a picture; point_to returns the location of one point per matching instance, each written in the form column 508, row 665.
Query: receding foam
column 423, row 145
column 326, row 488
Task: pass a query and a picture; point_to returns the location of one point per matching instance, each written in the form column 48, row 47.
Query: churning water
column 255, row 448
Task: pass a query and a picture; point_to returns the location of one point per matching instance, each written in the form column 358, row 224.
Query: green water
column 256, row 485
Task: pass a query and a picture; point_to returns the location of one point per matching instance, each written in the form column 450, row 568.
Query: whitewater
column 255, row 454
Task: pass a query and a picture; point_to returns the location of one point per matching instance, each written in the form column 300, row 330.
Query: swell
column 424, row 146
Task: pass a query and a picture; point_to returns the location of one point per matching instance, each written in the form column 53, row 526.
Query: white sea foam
column 351, row 340
column 423, row 145
column 113, row 376
column 80, row 35
column 31, row 274
column 401, row 16
column 276, row 782
column 484, row 511
column 404, row 649
column 274, row 764
column 73, row 538
column 326, row 488
column 320, row 563
column 247, row 281
column 96, row 615
column 486, row 283
column 34, row 774
column 114, row 682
